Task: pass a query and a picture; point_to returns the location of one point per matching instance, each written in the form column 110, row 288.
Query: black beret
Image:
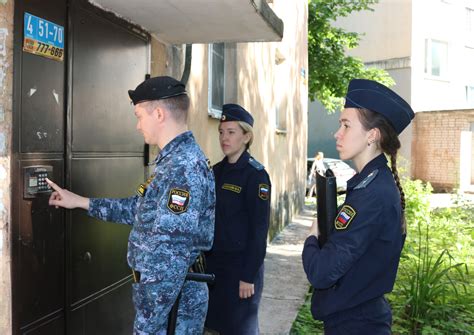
column 369, row 94
column 234, row 112
column 157, row 88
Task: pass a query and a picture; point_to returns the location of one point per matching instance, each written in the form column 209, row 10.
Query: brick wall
column 436, row 146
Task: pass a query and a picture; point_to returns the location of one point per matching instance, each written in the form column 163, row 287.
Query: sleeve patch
column 178, row 200
column 344, row 217
column 263, row 191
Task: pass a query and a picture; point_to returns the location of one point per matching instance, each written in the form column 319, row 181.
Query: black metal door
column 105, row 158
column 38, row 244
column 69, row 271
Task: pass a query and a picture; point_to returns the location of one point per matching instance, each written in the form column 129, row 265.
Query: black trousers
column 373, row 317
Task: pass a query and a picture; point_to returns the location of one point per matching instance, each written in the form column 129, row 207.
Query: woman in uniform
column 242, row 218
column 358, row 265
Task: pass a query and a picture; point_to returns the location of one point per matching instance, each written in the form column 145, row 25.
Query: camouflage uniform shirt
column 172, row 223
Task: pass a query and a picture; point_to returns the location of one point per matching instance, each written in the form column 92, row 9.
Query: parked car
column 342, row 171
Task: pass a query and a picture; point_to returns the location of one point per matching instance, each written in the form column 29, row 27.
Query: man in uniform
column 172, row 215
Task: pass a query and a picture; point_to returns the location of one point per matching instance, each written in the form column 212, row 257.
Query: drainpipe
column 187, row 64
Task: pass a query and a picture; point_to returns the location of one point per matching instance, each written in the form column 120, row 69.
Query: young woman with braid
column 358, row 264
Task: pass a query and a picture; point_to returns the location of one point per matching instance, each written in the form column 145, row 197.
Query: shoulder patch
column 263, row 191
column 344, row 217
column 256, row 164
column 367, row 180
column 178, row 200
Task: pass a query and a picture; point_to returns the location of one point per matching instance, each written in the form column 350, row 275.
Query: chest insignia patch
column 263, row 191
column 141, row 189
column 178, row 200
column 344, row 218
column 231, row 187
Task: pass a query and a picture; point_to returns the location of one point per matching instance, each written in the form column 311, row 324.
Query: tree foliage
column 330, row 69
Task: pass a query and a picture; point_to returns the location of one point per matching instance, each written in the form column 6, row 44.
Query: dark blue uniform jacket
column 242, row 212
column 360, row 260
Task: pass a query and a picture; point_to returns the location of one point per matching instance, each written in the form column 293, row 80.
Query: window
column 470, row 95
column 216, row 79
column 436, row 58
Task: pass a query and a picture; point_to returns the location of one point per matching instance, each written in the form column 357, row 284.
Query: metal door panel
column 42, row 113
column 54, row 291
column 98, row 249
column 38, row 243
column 40, row 273
column 111, row 314
column 108, row 61
column 42, row 89
column 53, row 327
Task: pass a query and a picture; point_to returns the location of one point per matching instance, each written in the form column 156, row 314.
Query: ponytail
column 393, row 163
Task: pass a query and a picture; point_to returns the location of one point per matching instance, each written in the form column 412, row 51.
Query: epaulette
column 367, row 180
column 209, row 165
column 256, row 164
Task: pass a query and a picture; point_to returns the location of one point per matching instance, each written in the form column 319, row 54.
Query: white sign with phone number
column 42, row 37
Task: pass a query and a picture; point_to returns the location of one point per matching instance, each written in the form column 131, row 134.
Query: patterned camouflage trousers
column 191, row 312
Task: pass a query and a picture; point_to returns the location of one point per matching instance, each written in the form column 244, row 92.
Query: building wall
column 321, row 129
column 263, row 87
column 386, row 30
column 438, row 151
column 6, row 83
column 443, row 21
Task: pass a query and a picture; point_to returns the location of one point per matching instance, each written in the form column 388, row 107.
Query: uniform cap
column 234, row 112
column 371, row 95
column 157, row 88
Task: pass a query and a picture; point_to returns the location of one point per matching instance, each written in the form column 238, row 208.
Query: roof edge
column 269, row 16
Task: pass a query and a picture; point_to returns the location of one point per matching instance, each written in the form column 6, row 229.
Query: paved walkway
column 285, row 281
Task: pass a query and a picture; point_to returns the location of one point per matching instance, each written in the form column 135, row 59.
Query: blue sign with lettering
column 43, row 37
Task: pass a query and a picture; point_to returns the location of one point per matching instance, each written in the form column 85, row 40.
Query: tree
column 330, row 69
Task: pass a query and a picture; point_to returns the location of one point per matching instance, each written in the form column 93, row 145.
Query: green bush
column 433, row 294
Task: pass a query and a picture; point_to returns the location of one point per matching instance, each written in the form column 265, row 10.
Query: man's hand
column 64, row 198
column 314, row 230
column 246, row 290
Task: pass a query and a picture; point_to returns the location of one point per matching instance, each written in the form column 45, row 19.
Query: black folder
column 326, row 198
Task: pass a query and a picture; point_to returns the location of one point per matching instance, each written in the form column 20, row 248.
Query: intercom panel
column 35, row 184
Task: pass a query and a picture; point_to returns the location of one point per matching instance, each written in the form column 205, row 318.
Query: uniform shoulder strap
column 367, row 180
column 256, row 164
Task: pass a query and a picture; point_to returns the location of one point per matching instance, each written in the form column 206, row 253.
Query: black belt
column 196, row 272
column 194, row 276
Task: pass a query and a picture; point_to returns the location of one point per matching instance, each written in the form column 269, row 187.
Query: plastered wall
column 6, row 81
